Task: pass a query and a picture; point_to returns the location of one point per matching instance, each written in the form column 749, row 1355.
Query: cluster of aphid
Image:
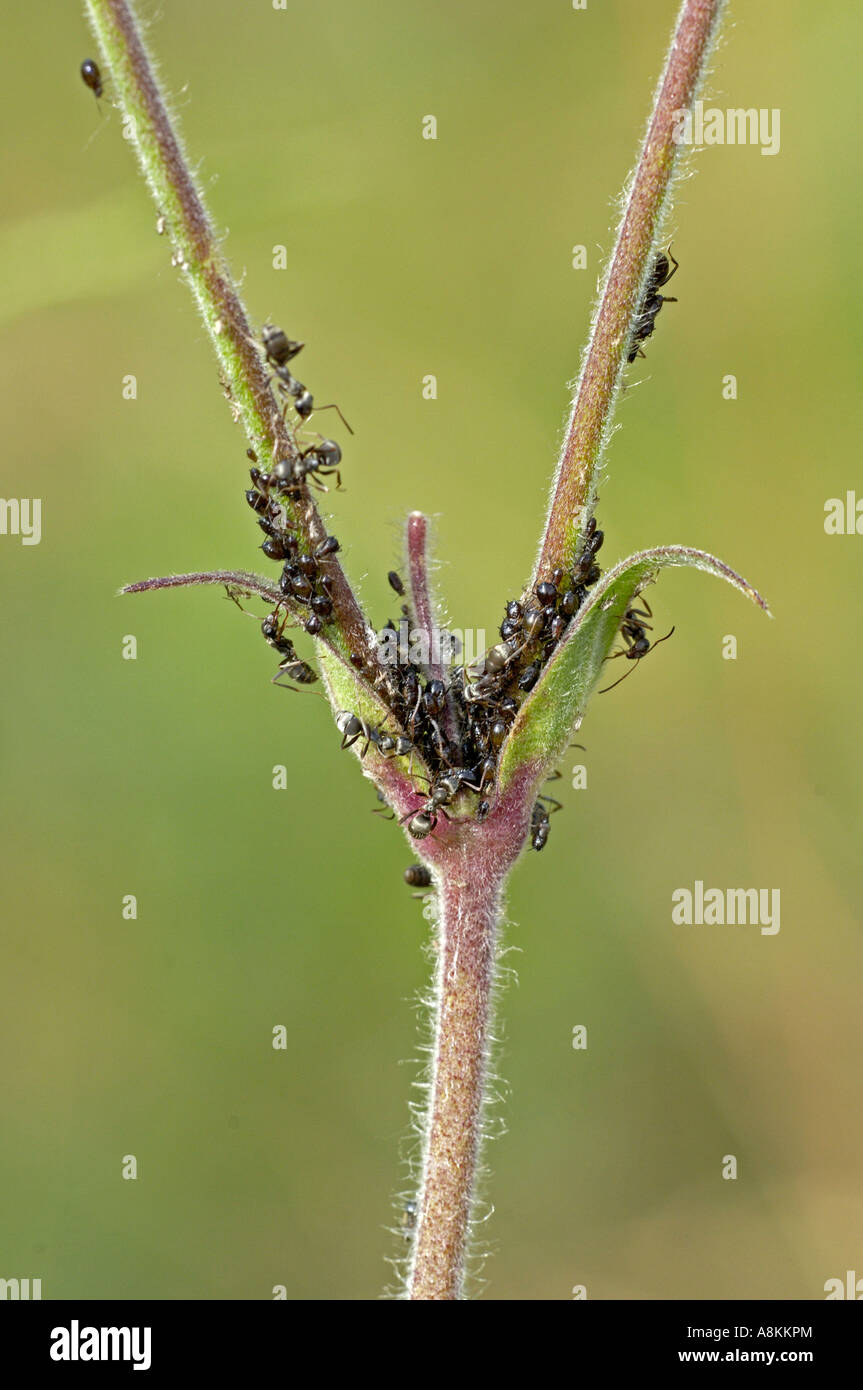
column 459, row 726
column 456, row 726
column 303, row 579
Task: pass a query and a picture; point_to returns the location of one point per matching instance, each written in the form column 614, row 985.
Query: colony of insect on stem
column 457, row 725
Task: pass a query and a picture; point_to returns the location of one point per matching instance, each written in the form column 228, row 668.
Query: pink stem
column 236, row 579
column 424, row 608
column 470, row 868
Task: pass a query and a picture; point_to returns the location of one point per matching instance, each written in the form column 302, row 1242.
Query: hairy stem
column 198, row 255
column 574, row 488
column 425, row 612
column 239, row 580
column 465, row 971
column 470, row 871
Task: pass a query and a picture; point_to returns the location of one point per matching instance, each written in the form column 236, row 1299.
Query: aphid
column 529, row 676
column 250, row 454
column 418, row 876
column 258, row 501
column 275, row 548
column 91, row 76
column 395, row 582
column 328, row 546
column 652, row 302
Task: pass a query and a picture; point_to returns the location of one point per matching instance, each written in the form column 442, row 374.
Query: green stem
column 574, row 488
column 149, row 128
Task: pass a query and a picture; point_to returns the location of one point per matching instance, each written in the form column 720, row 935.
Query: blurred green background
column 153, row 777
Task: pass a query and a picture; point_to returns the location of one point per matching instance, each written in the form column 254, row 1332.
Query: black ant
column 280, row 350
column 652, row 302
column 444, row 789
column 539, row 820
column 634, row 631
column 318, row 461
column 352, row 728
column 91, row 76
column 290, row 664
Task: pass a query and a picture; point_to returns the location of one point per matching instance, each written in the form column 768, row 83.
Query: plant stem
column 198, row 255
column 465, row 971
column 574, row 489
column 240, row 580
column 425, row 612
column 470, row 871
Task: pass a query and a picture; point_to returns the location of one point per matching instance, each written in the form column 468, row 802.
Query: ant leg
column 276, row 681
column 332, row 406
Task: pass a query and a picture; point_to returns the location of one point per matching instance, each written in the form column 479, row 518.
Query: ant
column 652, row 302
column 91, row 76
column 318, row 461
column 539, row 820
column 634, row 633
column 290, row 665
column 280, row 350
column 444, row 789
column 352, row 728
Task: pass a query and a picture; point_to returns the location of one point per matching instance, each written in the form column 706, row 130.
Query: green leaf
column 348, row 691
column 555, row 707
